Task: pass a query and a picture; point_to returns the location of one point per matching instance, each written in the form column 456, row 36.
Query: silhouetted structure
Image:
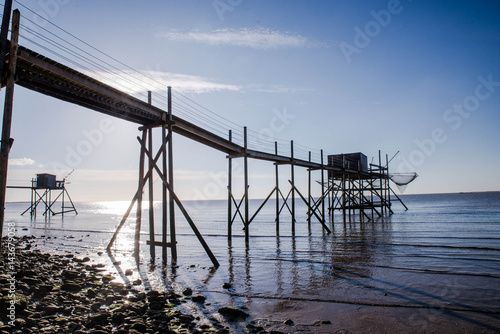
column 46, row 191
column 359, row 188
column 46, row 76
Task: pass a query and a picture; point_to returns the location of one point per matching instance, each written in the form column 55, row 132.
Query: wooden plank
column 83, row 80
column 205, row 137
column 158, row 243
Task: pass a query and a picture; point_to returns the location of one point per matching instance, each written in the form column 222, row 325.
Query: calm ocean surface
column 433, row 267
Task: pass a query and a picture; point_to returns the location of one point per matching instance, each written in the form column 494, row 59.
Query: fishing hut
column 358, row 188
column 46, row 192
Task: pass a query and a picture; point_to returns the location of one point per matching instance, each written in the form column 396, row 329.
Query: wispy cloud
column 21, row 162
column 257, row 38
column 279, row 89
column 133, row 82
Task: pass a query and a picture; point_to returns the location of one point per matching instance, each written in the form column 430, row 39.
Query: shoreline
column 53, row 293
column 189, row 298
column 65, row 293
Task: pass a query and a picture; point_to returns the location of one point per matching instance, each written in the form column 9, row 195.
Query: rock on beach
column 58, row 294
column 61, row 293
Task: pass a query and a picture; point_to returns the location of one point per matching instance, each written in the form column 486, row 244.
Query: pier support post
column 344, row 194
column 383, row 207
column 276, row 170
column 323, row 187
column 173, row 238
column 152, row 251
column 139, row 197
column 9, row 100
column 360, row 193
column 164, row 210
column 245, row 162
column 388, row 184
column 349, row 196
column 309, row 213
column 370, row 185
column 229, row 192
column 330, row 208
column 292, row 171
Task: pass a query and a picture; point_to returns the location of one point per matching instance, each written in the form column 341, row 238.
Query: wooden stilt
column 7, row 9
column 344, row 196
column 62, row 205
column 229, row 192
column 371, row 195
column 381, row 180
column 349, row 196
column 387, row 183
column 173, row 238
column 309, row 193
column 245, row 162
column 151, row 202
column 330, row 204
column 32, row 191
column 150, row 195
column 277, row 189
column 292, row 172
column 322, row 187
column 360, row 193
column 139, row 198
column 164, row 210
column 8, row 103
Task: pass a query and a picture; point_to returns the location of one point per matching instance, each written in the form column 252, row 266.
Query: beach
column 399, row 274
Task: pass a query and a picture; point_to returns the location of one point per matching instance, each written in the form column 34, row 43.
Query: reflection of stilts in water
column 279, row 268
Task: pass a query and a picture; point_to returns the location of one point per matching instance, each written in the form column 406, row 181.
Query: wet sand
column 189, row 298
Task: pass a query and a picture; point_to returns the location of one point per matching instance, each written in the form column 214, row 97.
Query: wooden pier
column 36, row 72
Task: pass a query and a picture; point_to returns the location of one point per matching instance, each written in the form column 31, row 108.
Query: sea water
column 434, row 265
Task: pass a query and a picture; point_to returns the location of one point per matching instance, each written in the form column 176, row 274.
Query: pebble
column 198, row 299
column 59, row 294
column 233, row 312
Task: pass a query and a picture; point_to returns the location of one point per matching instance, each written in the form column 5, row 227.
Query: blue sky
column 418, row 77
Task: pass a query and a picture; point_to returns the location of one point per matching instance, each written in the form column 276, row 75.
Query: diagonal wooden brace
column 181, row 207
